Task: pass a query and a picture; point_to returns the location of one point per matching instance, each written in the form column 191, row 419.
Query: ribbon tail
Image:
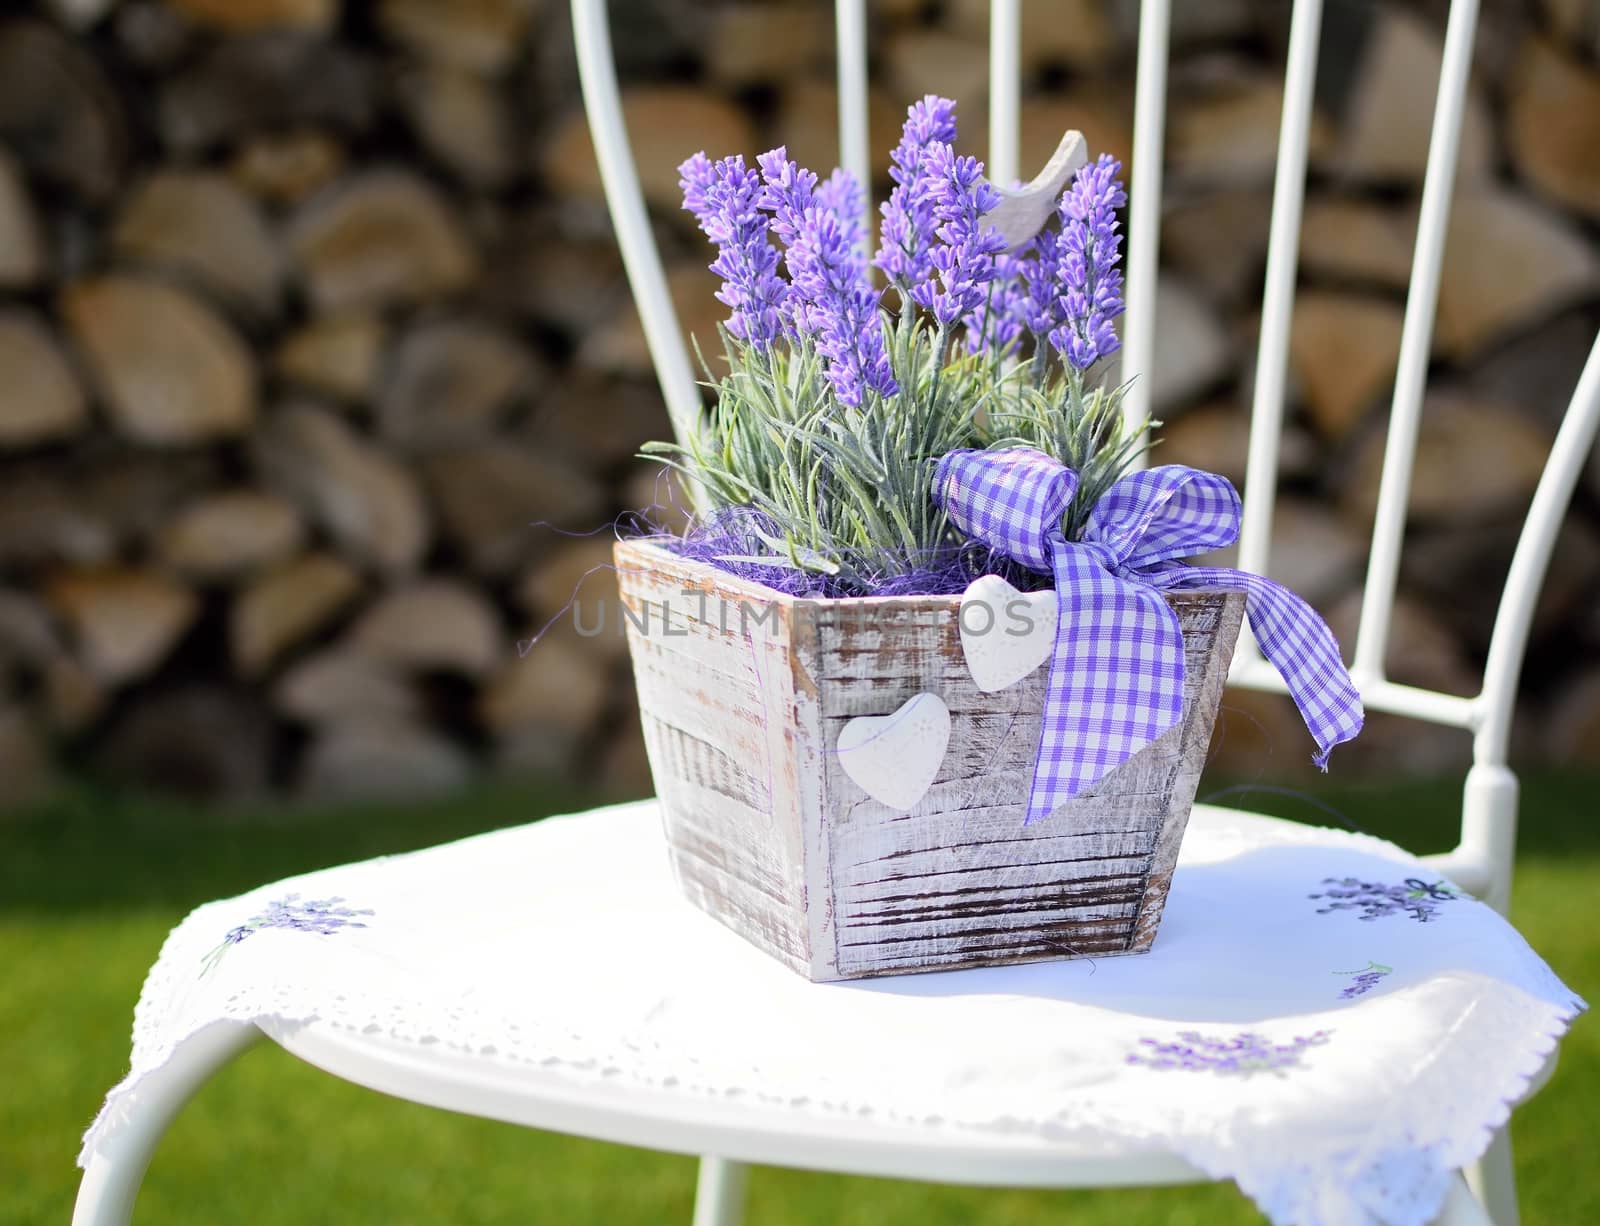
column 1116, row 678
column 1293, row 636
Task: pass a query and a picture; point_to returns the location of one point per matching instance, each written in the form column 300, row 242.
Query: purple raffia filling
column 732, row 542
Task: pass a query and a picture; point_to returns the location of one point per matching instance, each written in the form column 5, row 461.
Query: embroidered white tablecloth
column 1321, row 1019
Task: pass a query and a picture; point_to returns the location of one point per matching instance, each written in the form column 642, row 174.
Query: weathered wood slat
column 1101, row 908
column 743, row 693
column 688, row 757
column 1135, row 848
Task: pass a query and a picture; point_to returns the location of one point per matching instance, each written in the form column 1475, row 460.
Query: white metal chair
column 1482, row 860
column 526, row 1093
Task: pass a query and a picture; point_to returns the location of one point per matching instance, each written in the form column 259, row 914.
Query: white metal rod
column 603, row 103
column 1383, row 568
column 719, row 1192
column 850, row 22
column 1451, row 710
column 1144, row 207
column 1466, row 871
column 1460, row 1209
column 1489, row 803
column 115, row 1168
column 1277, row 307
column 1005, row 89
column 1492, row 1179
column 1509, row 641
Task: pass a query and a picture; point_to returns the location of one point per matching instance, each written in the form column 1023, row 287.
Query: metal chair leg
column 1493, row 1182
column 719, row 1194
column 1461, row 1208
column 116, row 1168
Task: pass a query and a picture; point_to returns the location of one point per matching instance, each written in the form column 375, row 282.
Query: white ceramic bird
column 1022, row 211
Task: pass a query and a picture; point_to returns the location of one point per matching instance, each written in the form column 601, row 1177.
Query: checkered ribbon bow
column 1116, row 679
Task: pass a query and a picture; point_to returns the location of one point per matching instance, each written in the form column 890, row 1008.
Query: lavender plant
column 840, row 395
column 1069, row 295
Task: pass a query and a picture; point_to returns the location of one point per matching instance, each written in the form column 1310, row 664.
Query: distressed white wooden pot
column 743, row 692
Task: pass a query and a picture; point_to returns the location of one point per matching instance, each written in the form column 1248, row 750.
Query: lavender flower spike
column 1086, row 263
column 696, row 174
column 832, row 299
column 843, row 316
column 841, row 195
column 907, row 233
column 788, row 190
column 1040, row 307
column 999, row 319
column 725, row 199
column 964, row 257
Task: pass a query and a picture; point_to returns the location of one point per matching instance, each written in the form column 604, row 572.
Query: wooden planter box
column 742, row 692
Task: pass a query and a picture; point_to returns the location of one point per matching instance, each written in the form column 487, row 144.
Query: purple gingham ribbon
column 1116, row 680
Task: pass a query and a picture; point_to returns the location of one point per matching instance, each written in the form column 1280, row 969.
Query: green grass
column 89, row 889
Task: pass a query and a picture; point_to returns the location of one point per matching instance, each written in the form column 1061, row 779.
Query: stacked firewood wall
column 320, row 384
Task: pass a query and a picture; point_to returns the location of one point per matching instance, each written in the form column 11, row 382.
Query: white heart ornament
column 1005, row 634
column 895, row 757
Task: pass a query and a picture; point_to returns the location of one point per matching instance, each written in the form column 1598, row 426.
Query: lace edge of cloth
column 1409, row 1187
column 1395, row 1188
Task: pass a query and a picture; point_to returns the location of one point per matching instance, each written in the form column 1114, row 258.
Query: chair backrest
column 1482, row 860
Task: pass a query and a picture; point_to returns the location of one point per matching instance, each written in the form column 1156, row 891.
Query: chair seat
column 733, row 1126
column 1319, row 1016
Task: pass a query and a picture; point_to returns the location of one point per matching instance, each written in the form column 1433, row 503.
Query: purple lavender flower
column 696, row 174
column 725, row 199
column 787, row 191
column 999, row 319
column 1367, row 978
column 1040, row 302
column 323, row 916
column 907, row 232
column 1086, row 264
column 964, row 255
column 832, row 299
column 1416, row 898
column 1243, row 1055
column 841, row 308
column 841, row 195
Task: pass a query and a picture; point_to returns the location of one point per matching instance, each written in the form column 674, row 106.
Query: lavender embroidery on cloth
column 1367, row 978
column 1414, row 897
column 1116, row 679
column 1243, row 1055
column 323, row 916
